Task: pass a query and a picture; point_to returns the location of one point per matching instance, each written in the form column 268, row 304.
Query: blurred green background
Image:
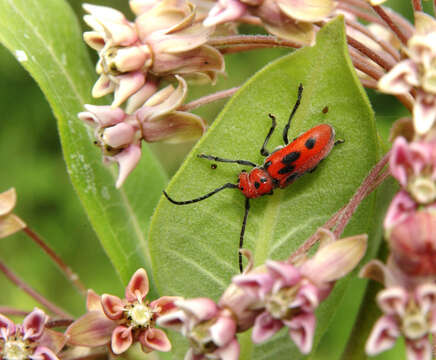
column 31, row 161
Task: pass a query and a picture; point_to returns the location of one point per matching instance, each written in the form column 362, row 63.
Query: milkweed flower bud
column 9, row 222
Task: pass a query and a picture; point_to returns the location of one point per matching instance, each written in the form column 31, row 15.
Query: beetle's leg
column 288, row 125
column 215, row 158
column 241, row 237
column 263, row 151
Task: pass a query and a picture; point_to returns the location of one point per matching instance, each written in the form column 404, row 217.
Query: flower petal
column 92, row 329
column 10, row 224
column 225, row 11
column 301, row 330
column 8, row 199
column 301, row 32
column 426, row 297
column 264, row 327
column 93, row 301
column 127, row 85
column 138, row 286
column 393, row 300
column 383, row 336
column 174, row 128
column 141, row 96
column 53, row 340
column 335, row 260
column 257, row 284
column 307, row 10
column 201, row 308
column 121, row 339
column 165, row 304
column 424, row 112
column 104, row 12
column 43, row 353
column 418, row 349
column 377, row 271
column 113, row 306
column 155, row 339
column 400, row 79
column 7, row 327
column 33, row 324
column 224, row 329
column 284, row 273
column 103, row 86
column 228, row 352
column 400, row 208
column 94, row 39
column 102, row 115
column 174, row 320
column 127, row 161
column 119, row 135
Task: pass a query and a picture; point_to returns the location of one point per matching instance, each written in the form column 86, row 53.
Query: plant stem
column 359, row 195
column 30, row 291
column 59, row 323
column 208, row 99
column 251, row 39
column 6, row 310
column 369, row 53
column 417, row 6
column 393, row 26
column 71, row 276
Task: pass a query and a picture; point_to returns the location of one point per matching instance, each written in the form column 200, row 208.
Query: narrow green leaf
column 194, row 247
column 45, row 37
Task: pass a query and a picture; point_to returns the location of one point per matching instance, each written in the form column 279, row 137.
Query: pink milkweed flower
column 29, row 340
column 210, row 329
column 119, row 134
column 292, row 20
column 414, row 166
column 164, row 40
column 9, row 222
column 122, row 322
column 418, row 71
column 288, row 294
column 411, row 314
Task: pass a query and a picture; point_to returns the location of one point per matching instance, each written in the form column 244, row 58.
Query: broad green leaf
column 194, row 247
column 45, row 37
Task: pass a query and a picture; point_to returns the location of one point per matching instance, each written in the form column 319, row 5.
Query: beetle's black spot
column 286, row 169
column 291, row 178
column 267, row 164
column 256, row 185
column 263, row 180
column 242, row 188
column 310, row 143
column 291, row 157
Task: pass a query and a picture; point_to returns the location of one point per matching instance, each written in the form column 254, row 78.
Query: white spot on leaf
column 21, row 55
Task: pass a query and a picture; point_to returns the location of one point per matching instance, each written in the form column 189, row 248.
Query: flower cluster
column 266, row 298
column 119, row 134
column 29, row 340
column 417, row 72
column 292, row 20
column 122, row 322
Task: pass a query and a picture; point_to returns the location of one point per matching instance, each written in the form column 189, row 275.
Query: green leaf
column 194, row 247
column 45, row 37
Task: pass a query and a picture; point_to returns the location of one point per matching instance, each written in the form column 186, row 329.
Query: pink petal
column 400, row 160
column 104, row 12
column 127, row 85
column 141, row 96
column 93, row 301
column 255, row 284
column 424, row 112
column 92, row 329
column 223, row 330
column 102, row 115
column 119, row 135
column 264, row 327
column 138, row 287
column 301, row 330
column 121, row 339
column 308, row 297
column 418, row 349
column 155, row 339
column 225, row 11
column 393, row 300
column 43, row 353
column 113, row 306
column 400, row 79
column 7, row 327
column 383, row 335
column 285, row 274
column 228, row 352
column 426, row 297
column 165, row 304
column 201, row 308
column 103, row 86
column 175, row 320
column 94, row 39
column 127, row 161
column 401, row 206
column 53, row 340
column 33, row 324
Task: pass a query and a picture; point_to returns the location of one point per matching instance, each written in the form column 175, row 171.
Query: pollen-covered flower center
column 415, row 324
column 423, row 189
column 16, row 350
column 278, row 303
column 140, row 315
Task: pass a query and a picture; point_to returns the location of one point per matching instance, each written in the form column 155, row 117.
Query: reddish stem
column 71, row 276
column 6, row 310
column 417, row 6
column 393, row 26
column 59, row 323
column 251, row 39
column 208, row 99
column 30, row 291
column 359, row 195
column 369, row 53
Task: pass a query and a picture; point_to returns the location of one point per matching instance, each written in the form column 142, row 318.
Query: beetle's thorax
column 255, row 183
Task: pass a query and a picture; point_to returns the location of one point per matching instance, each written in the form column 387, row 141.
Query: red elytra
column 280, row 168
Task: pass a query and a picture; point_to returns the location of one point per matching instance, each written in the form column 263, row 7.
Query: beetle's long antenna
column 241, row 237
column 225, row 186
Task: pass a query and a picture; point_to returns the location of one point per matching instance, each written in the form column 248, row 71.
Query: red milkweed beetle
column 280, row 168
